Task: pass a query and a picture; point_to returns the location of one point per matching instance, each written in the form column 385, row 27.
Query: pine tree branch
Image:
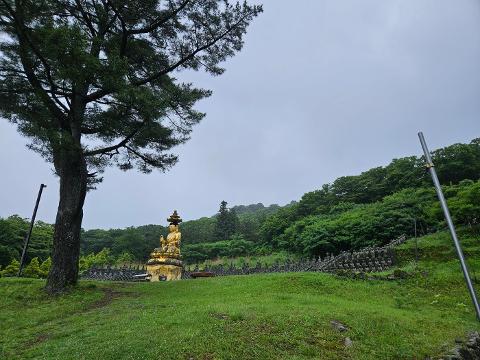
column 86, row 18
column 102, row 92
column 113, row 147
column 160, row 21
column 145, row 159
column 50, row 102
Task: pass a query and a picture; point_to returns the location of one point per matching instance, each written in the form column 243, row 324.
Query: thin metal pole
column 448, row 218
column 32, row 221
column 416, row 241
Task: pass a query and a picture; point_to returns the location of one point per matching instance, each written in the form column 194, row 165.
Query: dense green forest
column 350, row 213
column 202, row 239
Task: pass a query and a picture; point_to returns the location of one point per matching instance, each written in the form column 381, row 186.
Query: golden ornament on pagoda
column 165, row 261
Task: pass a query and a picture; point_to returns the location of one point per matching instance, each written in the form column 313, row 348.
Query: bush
column 11, row 269
column 101, row 259
column 32, row 270
column 124, row 258
column 45, row 268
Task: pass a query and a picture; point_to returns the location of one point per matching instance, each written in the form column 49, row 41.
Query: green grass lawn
column 275, row 316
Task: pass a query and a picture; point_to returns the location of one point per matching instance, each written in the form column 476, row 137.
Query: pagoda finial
column 174, row 219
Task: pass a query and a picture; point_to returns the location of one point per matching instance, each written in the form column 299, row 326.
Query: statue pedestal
column 170, row 268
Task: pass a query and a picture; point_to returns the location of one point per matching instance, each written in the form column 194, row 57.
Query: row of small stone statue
column 365, row 260
column 368, row 259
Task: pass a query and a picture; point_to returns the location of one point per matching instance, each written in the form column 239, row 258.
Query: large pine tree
column 92, row 83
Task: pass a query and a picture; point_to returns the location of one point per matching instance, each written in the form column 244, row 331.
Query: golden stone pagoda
column 166, row 261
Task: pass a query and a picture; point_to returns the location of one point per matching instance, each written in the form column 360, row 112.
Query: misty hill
column 352, row 212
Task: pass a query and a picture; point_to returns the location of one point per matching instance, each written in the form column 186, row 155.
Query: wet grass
column 273, row 316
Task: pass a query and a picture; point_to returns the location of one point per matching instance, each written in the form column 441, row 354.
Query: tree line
column 236, row 228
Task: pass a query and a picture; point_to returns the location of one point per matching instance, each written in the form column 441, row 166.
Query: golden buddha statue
column 165, row 261
column 171, row 246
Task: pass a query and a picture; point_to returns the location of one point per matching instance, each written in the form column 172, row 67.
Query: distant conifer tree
column 227, row 222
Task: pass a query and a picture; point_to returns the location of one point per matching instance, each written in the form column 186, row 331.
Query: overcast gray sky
column 321, row 89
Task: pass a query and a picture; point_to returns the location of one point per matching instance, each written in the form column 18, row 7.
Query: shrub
column 45, row 268
column 11, row 269
column 100, row 259
column 32, row 270
column 124, row 258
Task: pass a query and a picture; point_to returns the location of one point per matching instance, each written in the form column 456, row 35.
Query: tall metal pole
column 448, row 218
column 416, row 241
column 32, row 221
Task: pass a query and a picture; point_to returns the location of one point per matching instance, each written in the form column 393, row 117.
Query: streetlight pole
column 451, row 226
column 32, row 221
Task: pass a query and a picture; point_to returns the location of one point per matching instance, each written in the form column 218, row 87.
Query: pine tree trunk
column 71, row 167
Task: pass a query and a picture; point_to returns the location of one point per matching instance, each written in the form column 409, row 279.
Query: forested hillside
column 352, row 212
column 378, row 204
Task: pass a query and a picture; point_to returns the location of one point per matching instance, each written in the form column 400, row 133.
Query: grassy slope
column 247, row 317
column 251, row 260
